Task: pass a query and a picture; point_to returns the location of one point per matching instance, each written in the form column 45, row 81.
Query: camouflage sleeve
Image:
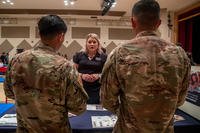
column 76, row 97
column 7, row 83
column 185, row 82
column 109, row 91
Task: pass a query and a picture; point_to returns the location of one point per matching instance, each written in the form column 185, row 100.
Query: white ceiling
column 122, row 5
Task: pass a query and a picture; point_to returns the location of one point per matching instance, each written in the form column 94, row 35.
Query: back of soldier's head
column 147, row 12
column 51, row 25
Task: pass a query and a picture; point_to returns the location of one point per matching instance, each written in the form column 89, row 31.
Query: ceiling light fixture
column 106, row 4
column 114, row 4
column 69, row 2
column 7, row 2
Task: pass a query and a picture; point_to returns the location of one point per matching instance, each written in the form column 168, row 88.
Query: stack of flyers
column 8, row 120
column 95, row 107
column 103, row 121
column 178, row 118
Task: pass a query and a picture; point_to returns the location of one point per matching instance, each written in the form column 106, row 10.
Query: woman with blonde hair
column 89, row 64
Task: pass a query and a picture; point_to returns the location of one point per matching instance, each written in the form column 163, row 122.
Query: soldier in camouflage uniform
column 145, row 79
column 45, row 86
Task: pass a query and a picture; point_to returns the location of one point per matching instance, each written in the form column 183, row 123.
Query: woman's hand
column 95, row 76
column 90, row 77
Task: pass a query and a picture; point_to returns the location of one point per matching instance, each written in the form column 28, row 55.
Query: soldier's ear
column 60, row 37
column 134, row 23
column 158, row 23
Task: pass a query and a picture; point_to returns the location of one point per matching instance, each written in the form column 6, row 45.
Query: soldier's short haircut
column 51, row 25
column 147, row 12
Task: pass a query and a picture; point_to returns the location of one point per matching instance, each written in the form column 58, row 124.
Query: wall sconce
column 169, row 21
column 169, row 24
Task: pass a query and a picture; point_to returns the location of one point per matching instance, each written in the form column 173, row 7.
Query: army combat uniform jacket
column 143, row 82
column 45, row 87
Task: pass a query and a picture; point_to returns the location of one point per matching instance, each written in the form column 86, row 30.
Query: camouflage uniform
column 45, row 87
column 143, row 82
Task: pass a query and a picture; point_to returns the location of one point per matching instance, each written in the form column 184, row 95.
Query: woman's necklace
column 90, row 57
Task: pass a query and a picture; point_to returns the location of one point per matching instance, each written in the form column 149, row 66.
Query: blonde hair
column 96, row 37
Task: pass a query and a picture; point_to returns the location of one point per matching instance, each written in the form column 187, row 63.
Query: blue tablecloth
column 83, row 124
column 5, row 107
column 83, row 121
column 1, row 79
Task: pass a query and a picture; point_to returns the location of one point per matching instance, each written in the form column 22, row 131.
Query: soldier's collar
column 146, row 33
column 44, row 46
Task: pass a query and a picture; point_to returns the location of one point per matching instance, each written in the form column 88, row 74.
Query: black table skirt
column 83, row 124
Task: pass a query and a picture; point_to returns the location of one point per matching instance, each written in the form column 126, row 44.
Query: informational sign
column 193, row 95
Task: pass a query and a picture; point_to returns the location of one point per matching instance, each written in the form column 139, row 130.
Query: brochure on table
column 103, row 121
column 95, row 107
column 8, row 120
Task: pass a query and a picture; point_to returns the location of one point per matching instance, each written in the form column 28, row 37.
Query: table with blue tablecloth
column 2, row 79
column 83, row 123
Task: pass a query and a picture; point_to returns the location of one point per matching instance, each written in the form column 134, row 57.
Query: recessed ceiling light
column 72, row 3
column 114, row 4
column 7, row 2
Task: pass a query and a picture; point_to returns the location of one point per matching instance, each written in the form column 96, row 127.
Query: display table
column 83, row 123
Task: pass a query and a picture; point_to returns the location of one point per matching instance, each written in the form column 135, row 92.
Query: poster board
column 193, row 95
column 192, row 103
